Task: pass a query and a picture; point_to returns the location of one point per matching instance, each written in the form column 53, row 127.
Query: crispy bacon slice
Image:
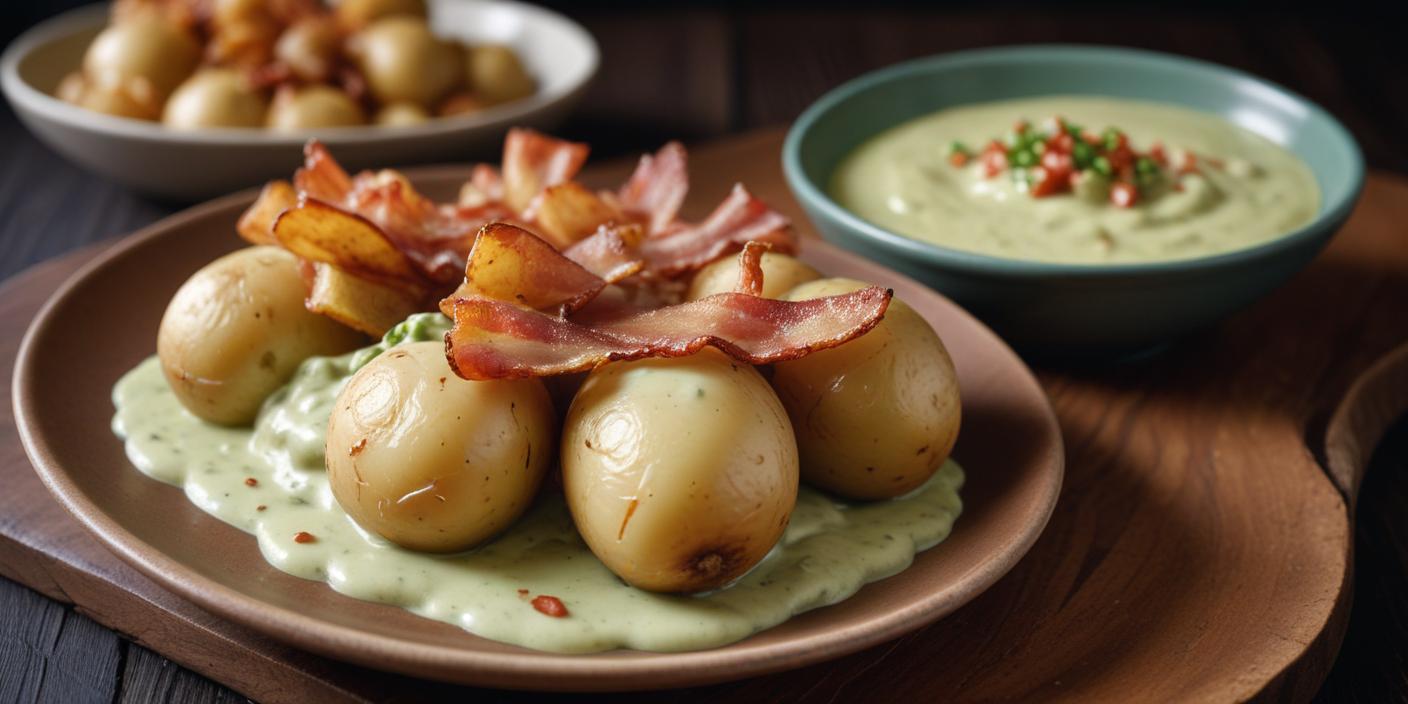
column 750, row 268
column 321, row 176
column 658, row 187
column 509, row 263
column 610, row 252
column 739, row 219
column 499, row 340
column 436, row 237
column 534, row 161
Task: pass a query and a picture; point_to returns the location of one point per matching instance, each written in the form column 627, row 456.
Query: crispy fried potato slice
column 509, row 263
column 256, row 225
column 358, row 303
column 320, row 232
column 569, row 212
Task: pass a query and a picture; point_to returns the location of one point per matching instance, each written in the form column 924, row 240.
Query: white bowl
column 199, row 164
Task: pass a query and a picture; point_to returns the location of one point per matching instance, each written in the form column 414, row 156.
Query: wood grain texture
column 1198, row 553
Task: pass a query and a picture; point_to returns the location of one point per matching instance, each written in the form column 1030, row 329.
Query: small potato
column 356, row 14
column 459, row 104
column 681, row 474
column 430, row 461
column 107, row 99
column 878, row 415
column 145, row 57
column 313, row 107
column 309, row 49
column 781, row 273
column 401, row 115
column 236, row 331
column 214, row 97
column 496, row 75
column 403, row 62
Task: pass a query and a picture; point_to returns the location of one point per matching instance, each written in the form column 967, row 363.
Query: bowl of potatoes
column 183, row 100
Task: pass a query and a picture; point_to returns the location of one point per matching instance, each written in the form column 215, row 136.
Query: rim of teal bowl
column 1331, row 214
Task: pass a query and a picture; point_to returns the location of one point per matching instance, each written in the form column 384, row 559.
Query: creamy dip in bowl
column 1073, row 273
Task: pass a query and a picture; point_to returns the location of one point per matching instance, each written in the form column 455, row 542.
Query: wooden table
column 695, row 72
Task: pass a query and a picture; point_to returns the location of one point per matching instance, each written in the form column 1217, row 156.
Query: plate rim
column 526, row 669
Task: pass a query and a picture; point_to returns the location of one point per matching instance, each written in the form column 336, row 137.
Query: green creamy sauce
column 902, row 180
column 829, row 550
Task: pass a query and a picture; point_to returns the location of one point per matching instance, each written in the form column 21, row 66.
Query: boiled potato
column 459, row 104
column 215, row 97
column 313, row 107
column 401, row 115
column 681, row 474
column 309, row 49
column 496, row 75
column 237, row 330
column 430, row 461
column 404, row 62
column 104, row 98
column 781, row 273
column 356, row 14
column 878, row 415
column 145, row 57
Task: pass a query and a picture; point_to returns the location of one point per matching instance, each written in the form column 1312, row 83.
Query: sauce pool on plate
column 538, row 584
column 1078, row 180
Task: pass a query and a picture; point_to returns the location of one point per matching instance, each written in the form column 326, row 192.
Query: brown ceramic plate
column 103, row 321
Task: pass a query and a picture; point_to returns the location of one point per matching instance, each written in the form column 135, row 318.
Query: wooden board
column 1201, row 550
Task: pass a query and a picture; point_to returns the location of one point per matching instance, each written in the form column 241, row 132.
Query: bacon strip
column 534, row 161
column 609, row 252
column 498, row 340
column 750, row 268
column 437, row 238
column 739, row 219
column 658, row 187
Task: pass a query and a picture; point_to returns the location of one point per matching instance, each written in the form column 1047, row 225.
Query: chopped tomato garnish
column 550, row 606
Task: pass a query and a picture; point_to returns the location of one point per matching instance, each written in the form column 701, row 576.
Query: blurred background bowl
column 1076, row 309
column 187, row 166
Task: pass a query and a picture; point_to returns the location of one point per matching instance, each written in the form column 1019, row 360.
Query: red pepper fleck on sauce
column 251, row 481
column 303, row 536
column 261, row 507
column 550, row 606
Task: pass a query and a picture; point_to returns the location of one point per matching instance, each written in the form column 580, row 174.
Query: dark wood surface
column 696, row 72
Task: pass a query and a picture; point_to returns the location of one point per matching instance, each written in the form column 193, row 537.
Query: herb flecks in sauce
column 829, row 551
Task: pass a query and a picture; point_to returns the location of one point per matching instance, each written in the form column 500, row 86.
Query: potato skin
column 495, row 74
column 430, row 461
column 404, row 62
column 681, row 474
column 236, row 331
column 401, row 115
column 313, row 107
column 878, row 415
column 145, row 57
column 355, row 14
column 214, row 97
column 781, row 273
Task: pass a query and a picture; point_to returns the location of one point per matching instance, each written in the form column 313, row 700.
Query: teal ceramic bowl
column 1076, row 309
